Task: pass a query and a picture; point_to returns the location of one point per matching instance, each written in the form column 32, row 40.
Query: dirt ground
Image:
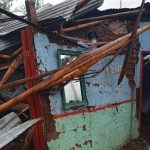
column 140, row 144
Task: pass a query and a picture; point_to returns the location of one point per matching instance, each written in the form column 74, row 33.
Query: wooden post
column 34, row 100
column 31, row 70
column 31, row 12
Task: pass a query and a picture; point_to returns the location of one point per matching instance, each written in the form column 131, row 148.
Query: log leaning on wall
column 75, row 69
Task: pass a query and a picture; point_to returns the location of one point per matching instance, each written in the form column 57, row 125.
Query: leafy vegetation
column 6, row 4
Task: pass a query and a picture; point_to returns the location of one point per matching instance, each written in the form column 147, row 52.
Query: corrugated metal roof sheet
column 9, row 121
column 7, row 42
column 64, row 9
column 92, row 5
column 5, row 18
column 6, row 136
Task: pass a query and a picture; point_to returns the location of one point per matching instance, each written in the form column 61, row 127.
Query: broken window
column 74, row 92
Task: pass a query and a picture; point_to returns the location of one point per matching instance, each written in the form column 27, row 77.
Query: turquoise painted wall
column 106, row 129
column 144, row 38
column 100, row 90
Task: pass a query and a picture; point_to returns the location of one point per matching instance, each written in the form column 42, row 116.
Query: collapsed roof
column 52, row 17
column 65, row 10
column 48, row 15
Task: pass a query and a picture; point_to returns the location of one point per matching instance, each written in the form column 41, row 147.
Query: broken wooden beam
column 25, row 80
column 16, row 53
column 3, row 56
column 11, row 69
column 83, row 26
column 4, row 66
column 74, row 69
column 13, row 55
column 111, row 16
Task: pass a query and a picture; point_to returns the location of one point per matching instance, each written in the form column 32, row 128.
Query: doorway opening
column 145, row 95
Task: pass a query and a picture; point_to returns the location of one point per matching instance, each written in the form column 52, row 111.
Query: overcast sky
column 106, row 5
column 110, row 3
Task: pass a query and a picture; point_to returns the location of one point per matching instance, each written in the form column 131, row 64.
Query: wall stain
column 84, row 128
column 78, row 145
column 49, row 123
column 88, row 84
column 72, row 148
column 88, row 142
column 75, row 130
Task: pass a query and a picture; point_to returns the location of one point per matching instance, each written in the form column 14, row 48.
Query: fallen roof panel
column 92, row 5
column 64, row 9
column 9, row 121
column 10, row 41
column 11, row 134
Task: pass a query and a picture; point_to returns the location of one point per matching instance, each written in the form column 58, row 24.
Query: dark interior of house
column 146, row 99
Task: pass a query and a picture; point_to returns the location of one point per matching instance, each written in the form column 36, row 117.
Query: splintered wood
column 11, row 69
column 74, row 69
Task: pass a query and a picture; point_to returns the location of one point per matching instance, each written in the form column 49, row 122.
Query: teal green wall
column 106, row 129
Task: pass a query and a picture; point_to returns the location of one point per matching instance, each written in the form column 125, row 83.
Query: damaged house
column 65, row 64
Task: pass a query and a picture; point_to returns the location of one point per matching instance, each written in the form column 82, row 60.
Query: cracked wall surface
column 101, row 129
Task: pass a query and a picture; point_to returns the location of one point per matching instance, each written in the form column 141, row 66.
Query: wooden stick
column 16, row 53
column 25, row 80
column 74, row 69
column 4, row 66
column 13, row 55
column 24, row 110
column 3, row 56
column 11, row 69
column 82, row 26
column 128, row 13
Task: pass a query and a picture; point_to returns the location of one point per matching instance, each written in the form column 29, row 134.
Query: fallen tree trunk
column 75, row 69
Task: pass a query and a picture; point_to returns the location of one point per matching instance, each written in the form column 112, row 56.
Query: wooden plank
column 31, row 70
column 11, row 69
column 110, row 16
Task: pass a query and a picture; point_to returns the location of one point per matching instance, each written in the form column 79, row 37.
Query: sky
column 106, row 5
